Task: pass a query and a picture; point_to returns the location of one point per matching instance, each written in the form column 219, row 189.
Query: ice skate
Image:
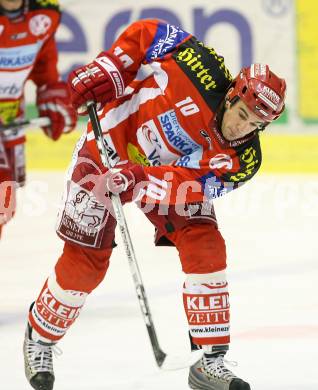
column 210, row 373
column 38, row 361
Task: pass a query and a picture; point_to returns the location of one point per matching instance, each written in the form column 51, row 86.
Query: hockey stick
column 162, row 359
column 15, row 125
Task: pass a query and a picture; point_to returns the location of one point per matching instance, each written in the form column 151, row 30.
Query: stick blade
column 178, row 362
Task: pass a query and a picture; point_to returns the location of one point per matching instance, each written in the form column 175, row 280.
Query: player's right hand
column 117, row 182
column 53, row 101
column 121, row 182
column 99, row 81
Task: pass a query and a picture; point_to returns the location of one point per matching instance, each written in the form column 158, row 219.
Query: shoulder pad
column 44, row 4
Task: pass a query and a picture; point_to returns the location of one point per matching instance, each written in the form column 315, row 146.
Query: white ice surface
column 271, row 230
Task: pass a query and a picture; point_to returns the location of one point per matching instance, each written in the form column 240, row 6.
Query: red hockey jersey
column 167, row 120
column 27, row 51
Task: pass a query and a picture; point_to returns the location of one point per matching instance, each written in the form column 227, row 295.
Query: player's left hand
column 53, row 101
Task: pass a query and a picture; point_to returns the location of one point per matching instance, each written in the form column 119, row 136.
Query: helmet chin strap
column 263, row 127
column 233, row 100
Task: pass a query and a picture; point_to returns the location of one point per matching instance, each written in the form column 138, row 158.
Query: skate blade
column 183, row 361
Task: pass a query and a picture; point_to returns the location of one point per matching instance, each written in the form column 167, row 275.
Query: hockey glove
column 120, row 182
column 99, row 81
column 117, row 182
column 53, row 101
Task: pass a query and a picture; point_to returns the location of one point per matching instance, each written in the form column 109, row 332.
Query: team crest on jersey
column 40, row 24
column 221, row 160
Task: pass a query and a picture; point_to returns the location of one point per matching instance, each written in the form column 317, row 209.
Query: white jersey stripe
column 118, row 114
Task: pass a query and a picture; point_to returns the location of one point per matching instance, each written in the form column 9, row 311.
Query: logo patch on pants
column 83, row 218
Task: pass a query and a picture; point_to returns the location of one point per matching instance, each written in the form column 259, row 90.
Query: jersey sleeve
column 45, row 69
column 146, row 41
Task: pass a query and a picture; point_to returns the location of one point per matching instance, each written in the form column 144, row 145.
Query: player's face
column 11, row 5
column 238, row 121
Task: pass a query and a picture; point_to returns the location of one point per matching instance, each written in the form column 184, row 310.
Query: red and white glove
column 53, row 101
column 119, row 182
column 99, row 81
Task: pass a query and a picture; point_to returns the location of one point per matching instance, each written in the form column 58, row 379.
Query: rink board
column 293, row 153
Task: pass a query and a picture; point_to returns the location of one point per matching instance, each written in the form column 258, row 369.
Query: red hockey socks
column 206, row 303
column 55, row 310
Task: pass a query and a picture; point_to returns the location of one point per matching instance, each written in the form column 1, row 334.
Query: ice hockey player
column 28, row 52
column 179, row 137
